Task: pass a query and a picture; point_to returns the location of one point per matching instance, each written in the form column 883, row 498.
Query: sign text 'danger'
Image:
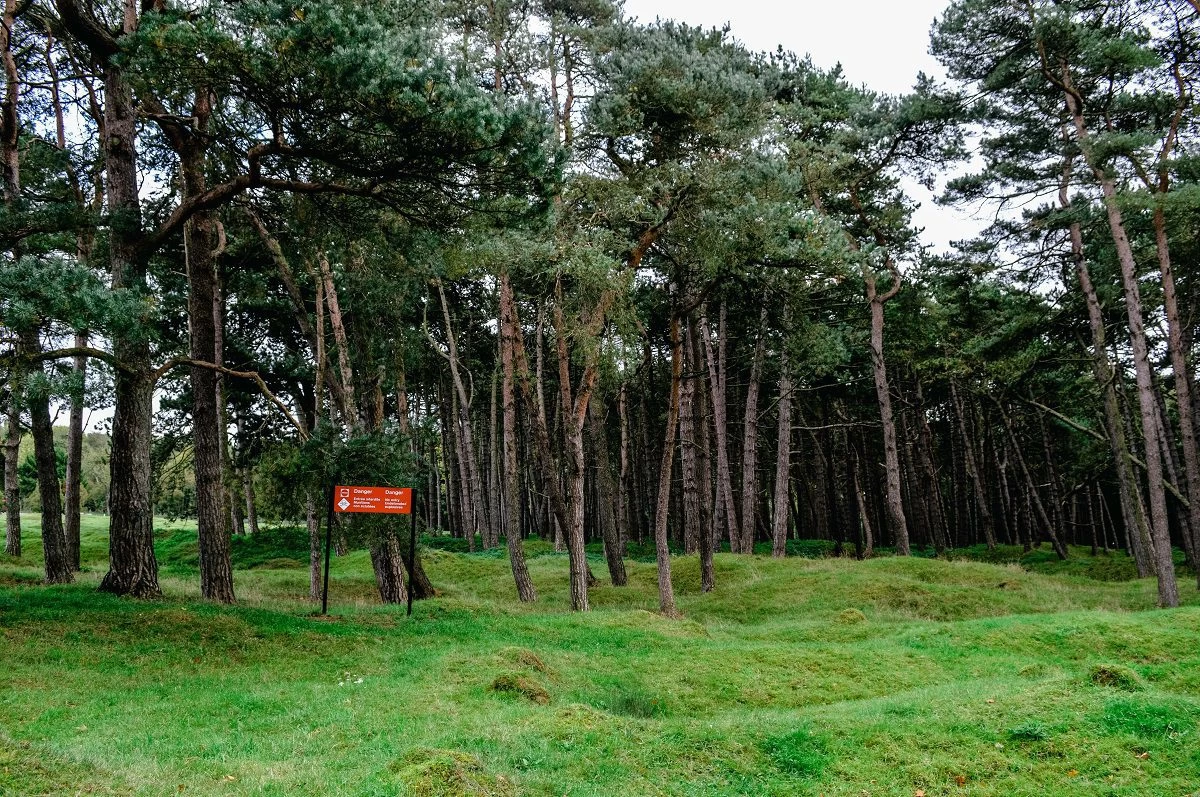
column 379, row 500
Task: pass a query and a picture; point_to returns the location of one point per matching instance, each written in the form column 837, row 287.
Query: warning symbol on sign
column 378, row 500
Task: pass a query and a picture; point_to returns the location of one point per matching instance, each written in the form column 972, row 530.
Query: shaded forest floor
column 796, row 677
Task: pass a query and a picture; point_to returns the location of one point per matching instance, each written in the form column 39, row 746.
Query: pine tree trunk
column 709, row 492
column 717, row 369
column 512, row 502
column 864, row 514
column 933, row 484
column 687, row 448
column 10, row 131
column 1168, row 590
column 745, row 542
column 530, row 394
column 133, row 568
column 610, row 520
column 312, row 520
column 216, row 568
column 891, row 453
column 1130, row 495
column 74, row 475
column 251, row 499
column 666, row 592
column 58, row 565
column 387, row 562
column 783, row 459
column 1033, row 501
column 478, row 509
column 972, row 467
column 1184, row 386
column 625, row 503
column 12, row 484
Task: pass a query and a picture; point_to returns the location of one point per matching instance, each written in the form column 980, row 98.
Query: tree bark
column 610, row 530
column 1184, row 385
column 477, row 509
column 717, row 369
column 387, row 562
column 891, row 454
column 10, row 130
column 512, row 499
column 687, row 447
column 12, row 452
column 978, row 488
column 216, row 567
column 1033, row 499
column 573, row 416
column 74, row 475
column 1168, row 590
column 666, row 592
column 783, row 458
column 709, row 491
column 58, row 565
column 312, row 520
column 133, row 567
column 744, row 543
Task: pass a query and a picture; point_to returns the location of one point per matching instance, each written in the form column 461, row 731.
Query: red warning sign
column 379, row 500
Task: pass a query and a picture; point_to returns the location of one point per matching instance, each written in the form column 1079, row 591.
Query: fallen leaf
column 919, row 793
column 961, row 780
column 1143, row 756
column 1073, row 772
column 990, row 700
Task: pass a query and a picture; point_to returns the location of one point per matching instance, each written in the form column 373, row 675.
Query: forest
column 592, row 280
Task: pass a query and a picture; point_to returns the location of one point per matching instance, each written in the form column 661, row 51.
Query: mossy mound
column 524, row 658
column 448, row 773
column 1116, row 676
column 851, row 617
column 511, row 683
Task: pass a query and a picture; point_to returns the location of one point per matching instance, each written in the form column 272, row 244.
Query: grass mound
column 1116, row 676
column 1150, row 720
column 448, row 773
column 773, row 685
column 513, row 684
column 851, row 617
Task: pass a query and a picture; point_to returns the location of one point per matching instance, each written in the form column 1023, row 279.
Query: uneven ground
column 796, row 677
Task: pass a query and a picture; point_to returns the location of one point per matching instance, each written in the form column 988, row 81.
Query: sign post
column 352, row 499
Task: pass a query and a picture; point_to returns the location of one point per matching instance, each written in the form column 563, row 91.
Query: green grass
column 804, row 676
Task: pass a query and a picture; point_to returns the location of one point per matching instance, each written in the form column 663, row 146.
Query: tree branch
column 1171, row 488
column 251, row 375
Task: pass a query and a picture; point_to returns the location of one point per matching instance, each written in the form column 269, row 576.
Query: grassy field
column 796, row 677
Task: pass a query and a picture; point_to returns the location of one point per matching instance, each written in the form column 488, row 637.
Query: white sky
column 880, row 43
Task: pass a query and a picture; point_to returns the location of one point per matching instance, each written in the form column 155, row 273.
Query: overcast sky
column 879, row 43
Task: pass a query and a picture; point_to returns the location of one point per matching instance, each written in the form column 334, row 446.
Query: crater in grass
column 448, row 773
column 803, row 752
column 631, row 701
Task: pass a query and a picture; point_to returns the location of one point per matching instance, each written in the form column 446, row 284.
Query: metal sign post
column 351, row 499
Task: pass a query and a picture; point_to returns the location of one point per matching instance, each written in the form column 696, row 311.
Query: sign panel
column 377, row 500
